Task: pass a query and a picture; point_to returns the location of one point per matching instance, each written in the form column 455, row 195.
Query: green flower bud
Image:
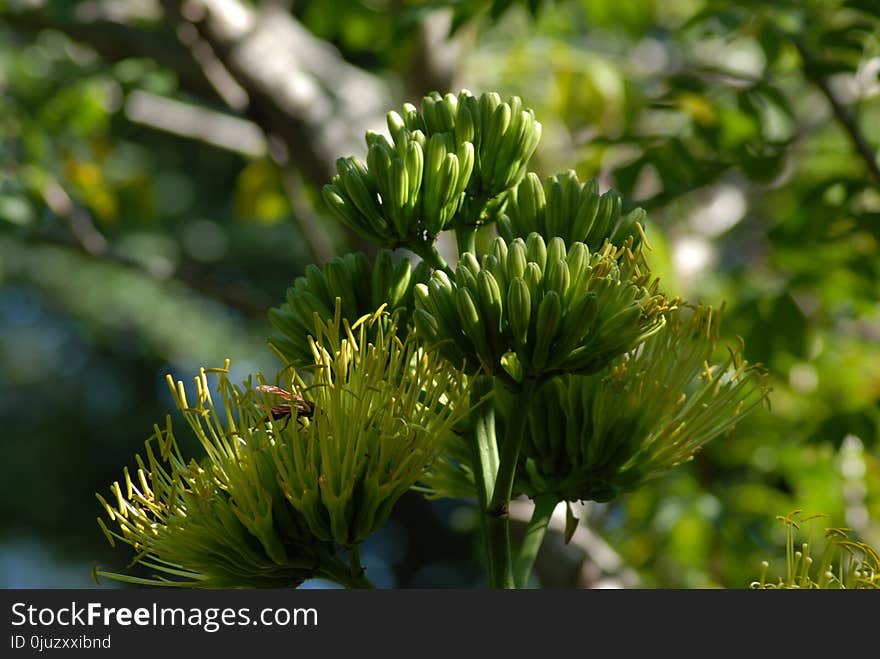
column 465, row 129
column 557, row 277
column 546, row 328
column 413, row 119
column 536, row 250
column 395, row 123
column 439, row 112
column 491, row 305
column 519, row 311
column 517, row 260
column 358, row 191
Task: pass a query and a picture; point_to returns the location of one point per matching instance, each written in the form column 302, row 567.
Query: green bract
column 279, row 489
column 360, row 287
column 533, row 309
column 567, row 208
column 592, row 437
column 458, row 152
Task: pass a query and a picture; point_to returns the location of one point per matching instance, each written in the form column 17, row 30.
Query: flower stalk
column 497, row 510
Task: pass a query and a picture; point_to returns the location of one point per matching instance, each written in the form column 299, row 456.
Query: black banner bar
column 419, row 622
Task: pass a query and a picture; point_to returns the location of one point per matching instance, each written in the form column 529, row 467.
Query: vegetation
column 161, row 191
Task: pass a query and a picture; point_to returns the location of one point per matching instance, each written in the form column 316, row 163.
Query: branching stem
column 841, row 113
column 429, row 254
column 466, row 239
column 497, row 510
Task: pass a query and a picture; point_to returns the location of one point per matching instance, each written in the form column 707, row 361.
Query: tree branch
column 190, row 121
column 320, row 242
column 435, row 61
column 299, row 88
column 81, row 226
column 241, row 298
column 313, row 105
column 841, row 113
column 116, row 38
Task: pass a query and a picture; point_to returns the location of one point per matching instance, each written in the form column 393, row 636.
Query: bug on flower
column 296, row 406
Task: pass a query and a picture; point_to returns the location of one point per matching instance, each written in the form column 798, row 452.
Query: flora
column 844, row 563
column 545, row 362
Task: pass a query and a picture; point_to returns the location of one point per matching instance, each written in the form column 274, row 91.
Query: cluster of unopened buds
column 414, row 186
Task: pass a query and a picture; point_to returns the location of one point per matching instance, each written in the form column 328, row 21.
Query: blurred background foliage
column 160, row 164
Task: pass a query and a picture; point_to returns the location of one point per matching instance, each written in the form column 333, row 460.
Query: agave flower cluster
column 844, row 563
column 278, row 493
column 558, row 330
column 593, row 437
column 532, row 309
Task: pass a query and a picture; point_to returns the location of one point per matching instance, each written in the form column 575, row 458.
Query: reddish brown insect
column 295, row 407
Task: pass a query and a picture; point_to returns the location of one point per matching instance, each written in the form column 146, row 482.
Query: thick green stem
column 429, row 254
column 497, row 511
column 484, row 450
column 484, row 444
column 545, row 504
column 466, row 239
column 515, row 433
column 498, row 548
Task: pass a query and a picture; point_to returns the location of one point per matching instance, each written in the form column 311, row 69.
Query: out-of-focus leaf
column 864, row 424
column 15, row 209
column 260, row 195
column 499, row 7
column 867, row 6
